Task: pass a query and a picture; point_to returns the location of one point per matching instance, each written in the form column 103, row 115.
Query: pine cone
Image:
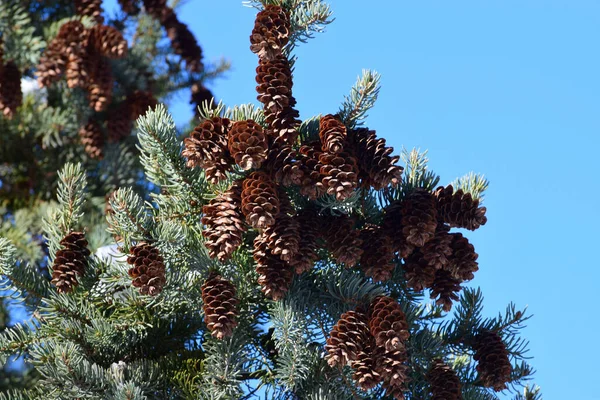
column 119, row 124
column 306, row 256
column 11, row 95
column 378, row 253
column 224, row 223
column 387, row 323
column 155, row 7
column 271, row 32
column 394, row 392
column 220, row 302
column 93, row 139
column 107, row 41
column 101, row 86
column 139, row 103
column 459, row 209
column 347, row 339
column 377, row 169
column 493, row 364
column 392, row 226
column 70, row 262
column 333, row 134
column 283, row 125
column 438, row 250
column 183, row 41
column 446, row 288
column 130, row 7
column 283, row 237
column 284, row 165
column 312, row 180
column 274, row 275
column 419, row 217
column 340, row 174
column 463, row 262
column 51, row 65
column 393, row 369
column 260, row 203
column 148, row 269
column 444, row 382
column 417, row 271
column 274, row 78
column 207, row 148
column 248, row 144
column 200, row 94
column 343, row 240
column 90, row 8
column 366, row 366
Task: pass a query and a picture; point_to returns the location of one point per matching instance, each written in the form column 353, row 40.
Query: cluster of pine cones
column 11, row 95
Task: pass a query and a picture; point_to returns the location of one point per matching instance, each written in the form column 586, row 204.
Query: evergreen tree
column 279, row 259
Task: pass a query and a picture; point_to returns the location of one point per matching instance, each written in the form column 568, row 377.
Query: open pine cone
column 220, row 302
column 70, row 262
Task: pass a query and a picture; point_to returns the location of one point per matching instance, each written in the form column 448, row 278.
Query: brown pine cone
column 387, row 323
column 393, row 369
column 463, row 262
column 101, row 86
column 367, row 365
column 52, row 64
column 260, row 203
column 224, row 223
column 377, row 168
column 342, row 239
column 340, row 174
column 392, row 226
column 444, row 382
column 76, row 71
column 248, row 144
column 92, row 138
column 333, row 134
column 130, row 7
column 305, row 258
column 183, row 41
column 107, row 41
column 378, row 253
column 446, row 288
column 438, row 250
column 283, row 237
column 119, row 124
column 312, row 180
column 200, row 94
column 417, row 271
column 419, row 217
column 347, row 339
column 459, row 209
column 70, row 262
column 274, row 275
column 283, row 125
column 493, row 364
column 207, row 148
column 274, row 78
column 394, row 392
column 139, row 103
column 155, row 7
column 148, row 269
column 284, row 165
column 11, row 96
column 90, row 8
column 220, row 302
column 271, row 32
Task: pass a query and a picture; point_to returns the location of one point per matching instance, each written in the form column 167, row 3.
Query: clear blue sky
column 509, row 88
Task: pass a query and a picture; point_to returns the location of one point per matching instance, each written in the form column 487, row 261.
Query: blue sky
column 509, row 88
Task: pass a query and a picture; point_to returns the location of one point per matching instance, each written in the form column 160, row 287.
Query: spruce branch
column 475, row 184
column 362, row 98
column 20, row 280
column 129, row 219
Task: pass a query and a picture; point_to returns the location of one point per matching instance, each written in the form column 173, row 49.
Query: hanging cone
column 220, row 302
column 101, row 86
column 493, row 364
column 459, row 209
column 394, row 371
column 333, row 134
column 366, row 366
column 306, row 256
column 90, row 8
column 119, row 124
column 260, row 203
column 274, row 275
column 283, row 237
column 155, row 7
column 378, row 253
column 342, row 240
column 312, row 180
column 200, row 94
column 377, row 168
column 340, row 174
column 92, row 138
column 284, row 166
column 347, row 338
column 445, row 288
column 130, row 7
column 11, row 95
column 148, row 269
column 140, row 102
column 248, row 144
column 417, row 271
column 183, row 41
column 51, row 65
column 274, row 79
column 284, row 124
column 419, row 217
column 224, row 223
column 438, row 250
column 392, row 226
column 70, row 262
column 463, row 262
column 444, row 382
column 271, row 32
column 387, row 323
column 394, row 392
column 107, row 41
